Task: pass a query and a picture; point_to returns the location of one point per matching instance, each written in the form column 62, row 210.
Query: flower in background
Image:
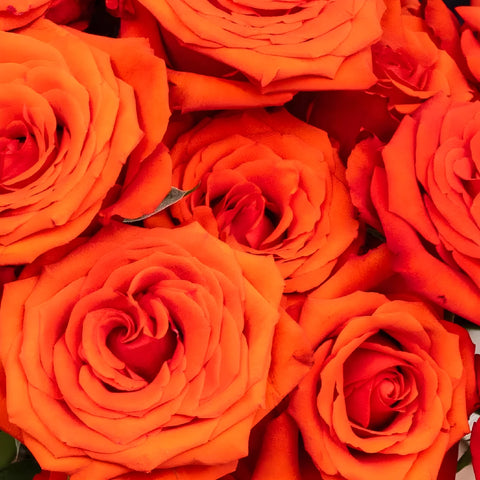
column 408, row 60
column 269, row 184
column 421, row 190
column 74, row 112
column 146, row 349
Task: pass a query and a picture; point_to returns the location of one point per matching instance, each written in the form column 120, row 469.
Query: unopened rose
column 76, row 110
column 275, row 47
column 146, row 350
column 268, row 184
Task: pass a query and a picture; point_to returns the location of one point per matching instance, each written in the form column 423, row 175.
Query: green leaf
column 24, row 470
column 172, row 197
column 8, row 449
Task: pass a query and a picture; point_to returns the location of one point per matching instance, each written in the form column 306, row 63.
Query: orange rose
column 423, row 186
column 276, row 47
column 267, row 184
column 388, row 394
column 390, row 391
column 408, row 61
column 75, row 110
column 148, row 350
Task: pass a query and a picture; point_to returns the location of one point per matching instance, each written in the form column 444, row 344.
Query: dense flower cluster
column 239, row 239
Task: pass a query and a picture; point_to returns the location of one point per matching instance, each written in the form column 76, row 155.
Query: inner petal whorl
column 18, row 151
column 142, row 353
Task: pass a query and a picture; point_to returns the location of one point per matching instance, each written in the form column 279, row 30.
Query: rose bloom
column 421, row 190
column 389, row 393
column 146, row 350
column 268, row 184
column 76, row 111
column 251, row 50
column 409, row 60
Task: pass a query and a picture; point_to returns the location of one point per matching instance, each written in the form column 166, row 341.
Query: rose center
column 244, row 213
column 18, row 152
column 142, row 353
column 386, row 389
column 377, row 384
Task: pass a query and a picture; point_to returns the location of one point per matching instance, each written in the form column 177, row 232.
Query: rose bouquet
column 239, row 240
